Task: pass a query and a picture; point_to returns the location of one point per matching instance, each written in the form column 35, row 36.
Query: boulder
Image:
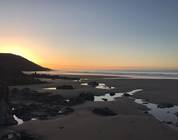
column 112, row 93
column 82, row 98
column 23, row 112
column 169, row 122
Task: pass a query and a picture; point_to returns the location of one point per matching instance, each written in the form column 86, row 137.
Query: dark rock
column 127, row 95
column 104, row 111
column 31, row 96
column 93, row 83
column 87, row 96
column 52, row 100
column 53, row 111
column 29, row 104
column 146, row 112
column 176, row 114
column 44, row 108
column 104, row 99
column 6, row 116
column 145, row 103
column 82, row 98
column 65, row 87
column 165, row 105
column 66, row 111
column 112, row 93
column 169, row 122
column 24, row 111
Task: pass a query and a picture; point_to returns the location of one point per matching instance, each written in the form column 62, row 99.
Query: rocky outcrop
column 6, row 116
column 28, row 104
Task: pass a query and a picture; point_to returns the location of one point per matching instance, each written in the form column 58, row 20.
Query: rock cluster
column 28, row 104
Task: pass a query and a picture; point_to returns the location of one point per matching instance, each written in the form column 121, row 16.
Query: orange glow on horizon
column 59, row 62
column 84, row 66
column 59, row 58
column 89, row 67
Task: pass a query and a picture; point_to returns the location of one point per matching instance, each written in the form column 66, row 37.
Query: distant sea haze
column 138, row 74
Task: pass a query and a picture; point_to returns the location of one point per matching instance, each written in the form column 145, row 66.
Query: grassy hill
column 11, row 67
column 15, row 62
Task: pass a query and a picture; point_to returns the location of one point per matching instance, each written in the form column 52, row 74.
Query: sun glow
column 19, row 50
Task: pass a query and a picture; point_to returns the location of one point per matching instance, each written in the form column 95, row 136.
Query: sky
column 92, row 34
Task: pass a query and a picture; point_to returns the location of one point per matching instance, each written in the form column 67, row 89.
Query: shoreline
column 111, row 74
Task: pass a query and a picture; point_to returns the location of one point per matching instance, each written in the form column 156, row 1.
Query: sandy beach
column 131, row 122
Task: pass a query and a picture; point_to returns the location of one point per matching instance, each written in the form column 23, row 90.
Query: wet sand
column 131, row 123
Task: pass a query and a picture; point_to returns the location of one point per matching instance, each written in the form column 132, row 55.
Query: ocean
column 136, row 74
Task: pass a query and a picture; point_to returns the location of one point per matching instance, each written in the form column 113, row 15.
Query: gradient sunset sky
column 92, row 34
